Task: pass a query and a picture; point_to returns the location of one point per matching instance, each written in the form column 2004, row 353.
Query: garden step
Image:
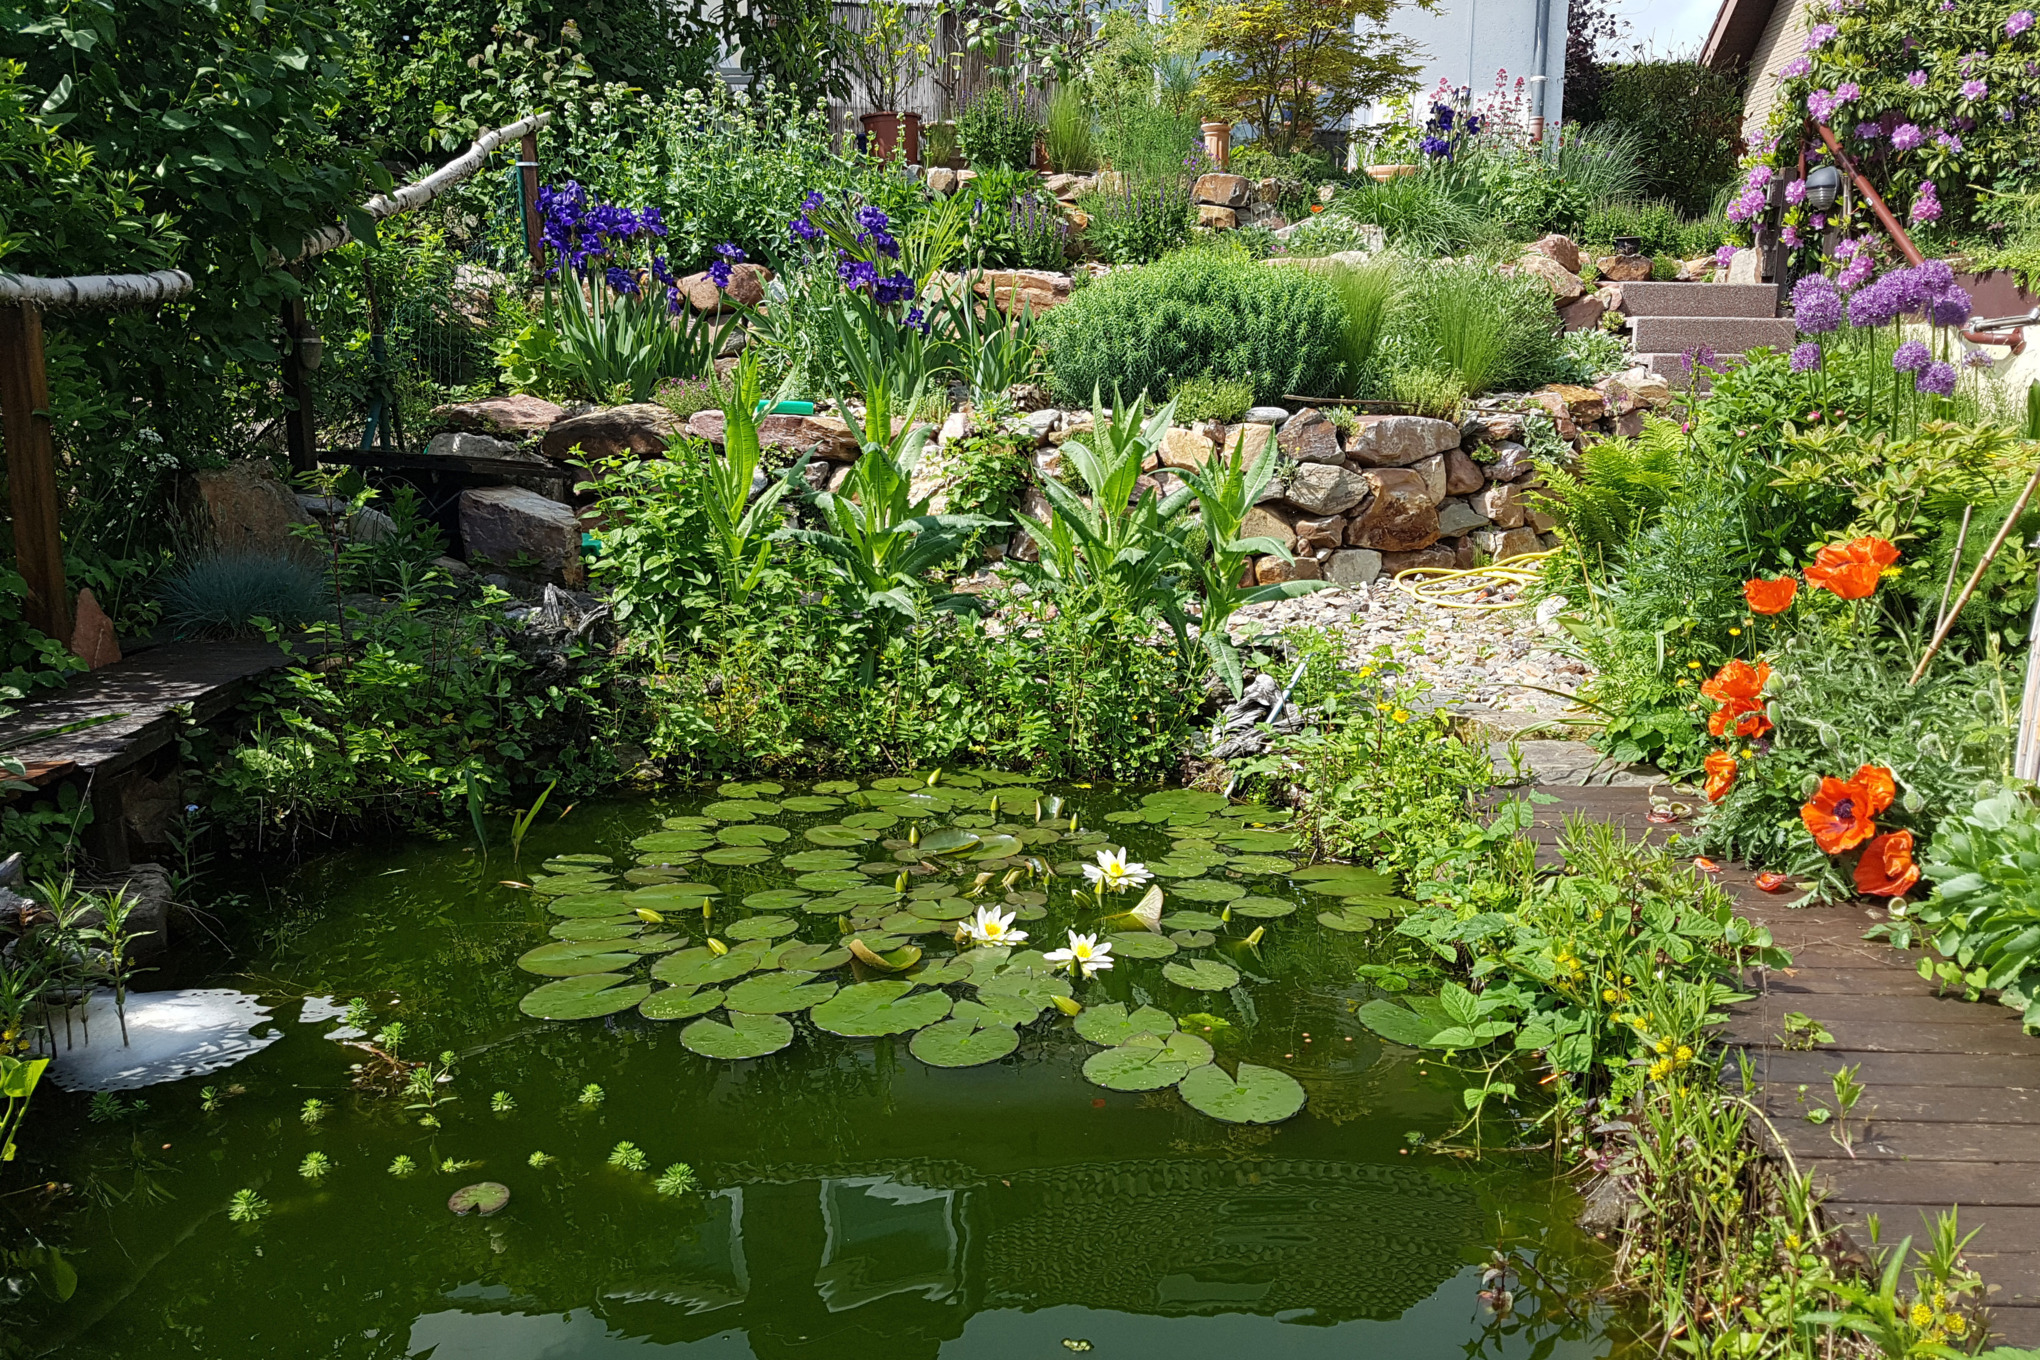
column 1722, row 334
column 1699, row 299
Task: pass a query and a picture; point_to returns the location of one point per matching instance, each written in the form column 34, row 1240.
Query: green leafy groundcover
column 842, row 914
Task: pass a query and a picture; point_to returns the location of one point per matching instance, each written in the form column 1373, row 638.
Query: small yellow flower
column 1792, row 1241
column 1957, row 1324
column 1692, row 665
column 1735, row 632
column 1921, row 1315
column 1383, row 706
column 1401, row 715
column 1684, row 1054
column 1609, row 995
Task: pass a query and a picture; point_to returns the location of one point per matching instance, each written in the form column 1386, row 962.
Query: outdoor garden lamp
column 1823, row 183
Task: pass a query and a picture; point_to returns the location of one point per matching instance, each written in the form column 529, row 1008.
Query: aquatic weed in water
column 246, row 1207
column 628, row 1157
column 403, row 1165
column 677, row 1179
column 315, row 1166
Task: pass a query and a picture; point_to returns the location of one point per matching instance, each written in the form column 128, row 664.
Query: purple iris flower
column 894, row 287
column 726, row 255
column 857, row 274
column 622, row 280
column 803, row 230
column 662, row 271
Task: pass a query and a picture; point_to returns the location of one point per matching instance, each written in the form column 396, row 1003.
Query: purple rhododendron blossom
column 1854, row 276
column 1912, row 356
column 1822, row 105
column 1817, row 36
column 1936, row 379
column 1869, row 132
column 1918, row 80
column 1789, row 234
column 2018, row 23
column 1926, row 204
column 1806, row 357
column 1724, row 256
column 1948, row 141
column 1816, row 307
column 1795, row 192
column 1848, row 92
column 1748, row 204
column 1796, row 67
column 1759, row 176
column 1907, row 137
column 1974, row 89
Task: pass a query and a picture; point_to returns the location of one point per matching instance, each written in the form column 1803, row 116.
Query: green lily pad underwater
column 835, row 909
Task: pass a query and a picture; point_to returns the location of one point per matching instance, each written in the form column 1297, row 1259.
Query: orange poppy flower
column 1771, row 597
column 1851, row 569
column 1772, row 882
column 1840, row 815
column 1720, row 775
column 1706, row 866
column 1737, row 687
column 1887, row 868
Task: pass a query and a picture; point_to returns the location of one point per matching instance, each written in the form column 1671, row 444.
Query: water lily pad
column 1347, row 922
column 942, row 909
column 567, row 885
column 583, row 998
column 661, row 842
column 673, row 896
column 589, row 904
column 837, row 786
column 1111, row 1024
column 763, row 928
column 1202, row 975
column 1203, row 890
column 1261, row 864
column 1266, row 908
column 1126, row 815
column 745, row 1036
column 680, row 1003
column 937, row 972
column 1401, row 1025
column 661, row 942
column 480, row 1199
column 752, row 833
column 1344, row 878
column 963, row 1043
column 585, row 861
column 906, row 923
column 871, row 821
column 1171, row 867
column 1192, row 920
column 699, row 967
column 1258, row 1095
column 741, row 809
column 995, row 846
column 775, row 899
column 810, row 802
column 1192, row 939
column 778, row 993
column 807, row 861
column 644, row 876
column 1035, row 984
column 597, row 928
column 831, row 880
column 1263, row 842
column 572, row 958
column 888, row 1006
column 949, row 841
column 838, row 835
column 886, row 952
column 1000, row 1010
column 1146, row 1062
column 833, row 905
column 689, row 822
column 755, row 788
column 737, row 854
column 1139, row 944
column 800, row 956
column 1185, row 800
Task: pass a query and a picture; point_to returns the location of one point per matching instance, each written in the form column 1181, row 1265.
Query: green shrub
column 995, row 129
column 1435, row 211
column 1328, row 233
column 222, row 594
column 1278, row 329
column 1071, row 147
column 1656, row 223
column 1531, row 193
column 1691, row 118
column 1209, row 397
column 939, row 143
column 1143, row 221
column 1986, row 903
column 1486, row 331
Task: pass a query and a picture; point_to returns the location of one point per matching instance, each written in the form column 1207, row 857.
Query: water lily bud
column 646, row 914
column 1255, row 938
column 716, row 946
column 1073, row 821
column 1067, row 1005
column 914, row 834
column 899, row 885
column 995, row 805
column 934, row 775
column 1037, row 810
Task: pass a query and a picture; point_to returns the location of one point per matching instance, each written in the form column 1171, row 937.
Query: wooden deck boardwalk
column 1950, row 1114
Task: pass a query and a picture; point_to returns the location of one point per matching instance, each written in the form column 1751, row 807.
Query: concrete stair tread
column 1722, row 334
column 1700, row 299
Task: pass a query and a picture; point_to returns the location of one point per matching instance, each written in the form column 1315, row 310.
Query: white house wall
column 1467, row 41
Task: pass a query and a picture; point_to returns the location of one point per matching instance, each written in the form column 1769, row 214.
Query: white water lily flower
column 1084, row 955
column 1112, row 872
column 991, row 926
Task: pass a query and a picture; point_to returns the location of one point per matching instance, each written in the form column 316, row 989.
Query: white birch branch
column 97, row 291
column 420, row 192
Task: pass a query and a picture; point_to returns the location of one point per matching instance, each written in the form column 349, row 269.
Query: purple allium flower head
column 1936, row 379
column 1951, row 306
column 2018, row 23
column 1806, row 357
column 1926, row 204
column 1974, row 89
column 1816, row 306
column 1796, row 67
column 1873, row 304
column 1918, row 80
column 1912, row 356
column 1817, row 36
column 1795, row 192
column 1978, row 358
column 1907, row 137
column 1869, row 132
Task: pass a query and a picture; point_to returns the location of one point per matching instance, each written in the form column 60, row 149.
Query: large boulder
column 1325, row 489
column 249, row 509
column 1227, row 191
column 1252, row 440
column 1565, row 285
column 512, row 417
column 1463, row 476
column 1216, row 218
column 1503, row 504
column 1308, row 437
column 1186, row 449
column 1398, row 514
column 942, row 181
column 1265, row 521
column 747, row 285
column 521, row 532
column 831, row 439
column 642, row 428
column 1456, row 517
column 1398, row 441
column 1433, row 555
column 1015, row 290
column 1502, row 544
column 1582, row 313
column 1560, row 249
column 1351, row 567
column 1625, row 268
column 461, row 444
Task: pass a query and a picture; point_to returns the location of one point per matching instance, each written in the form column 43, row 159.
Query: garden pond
column 748, row 1094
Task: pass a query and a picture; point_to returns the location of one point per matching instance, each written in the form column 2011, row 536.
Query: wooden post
column 300, row 427
column 527, row 168
column 32, row 470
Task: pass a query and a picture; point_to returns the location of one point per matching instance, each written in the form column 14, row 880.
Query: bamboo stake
column 2026, row 751
column 1954, row 564
column 95, row 290
column 1975, row 577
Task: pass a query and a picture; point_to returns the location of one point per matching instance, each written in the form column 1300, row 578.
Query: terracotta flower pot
column 888, row 133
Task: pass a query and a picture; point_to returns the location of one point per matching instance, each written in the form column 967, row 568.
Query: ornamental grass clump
column 227, row 593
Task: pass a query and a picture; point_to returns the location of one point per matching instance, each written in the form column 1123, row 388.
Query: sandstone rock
column 1583, row 404
column 1464, row 555
column 514, row 417
column 458, row 444
column 1457, row 517
column 747, row 285
column 1062, row 186
column 1017, row 290
column 1186, row 449
column 1351, row 567
column 1312, row 534
column 1502, row 544
column 706, row 425
column 1609, row 295
column 1308, row 437
column 1582, row 313
column 1747, row 266
column 1264, row 522
column 1559, row 249
column 1643, row 387
column 249, row 508
column 1079, row 220
column 1504, row 425
column 1625, row 268
column 1463, row 476
column 1218, row 219
column 1502, row 503
column 1327, row 489
column 1565, row 285
column 1270, row 570
column 832, row 439
column 1432, row 470
column 1398, row 514
column 942, row 181
column 1075, row 425
column 1512, row 463
column 505, row 525
column 93, row 640
column 1554, row 405
column 1629, row 424
column 1398, row 441
column 1253, row 440
column 643, row 429
column 1539, row 520
column 1265, row 415
column 1435, row 555
column 1227, row 191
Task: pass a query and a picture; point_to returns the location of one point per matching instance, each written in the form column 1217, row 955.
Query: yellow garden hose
column 1445, row 585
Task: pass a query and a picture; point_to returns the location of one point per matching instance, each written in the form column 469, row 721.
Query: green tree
column 1290, row 68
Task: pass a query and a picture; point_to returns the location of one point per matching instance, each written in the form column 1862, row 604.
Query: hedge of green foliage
column 1198, row 312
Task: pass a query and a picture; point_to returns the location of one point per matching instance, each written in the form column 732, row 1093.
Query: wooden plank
column 1917, row 1104
column 25, row 424
column 1879, row 1139
column 1955, row 1073
column 2015, row 1325
column 1854, row 1037
column 1897, row 978
column 1879, row 1007
column 1983, row 1184
column 2008, row 1232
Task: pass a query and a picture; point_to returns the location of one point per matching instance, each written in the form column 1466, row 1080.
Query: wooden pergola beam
column 32, row 468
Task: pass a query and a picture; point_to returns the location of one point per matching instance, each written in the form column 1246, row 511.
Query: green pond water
column 851, row 1199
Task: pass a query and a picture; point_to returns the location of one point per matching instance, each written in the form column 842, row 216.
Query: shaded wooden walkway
column 1950, row 1114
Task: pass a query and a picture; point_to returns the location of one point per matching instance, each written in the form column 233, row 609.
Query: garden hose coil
column 1445, row 586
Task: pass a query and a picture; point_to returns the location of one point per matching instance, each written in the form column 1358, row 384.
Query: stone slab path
column 1950, row 1115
